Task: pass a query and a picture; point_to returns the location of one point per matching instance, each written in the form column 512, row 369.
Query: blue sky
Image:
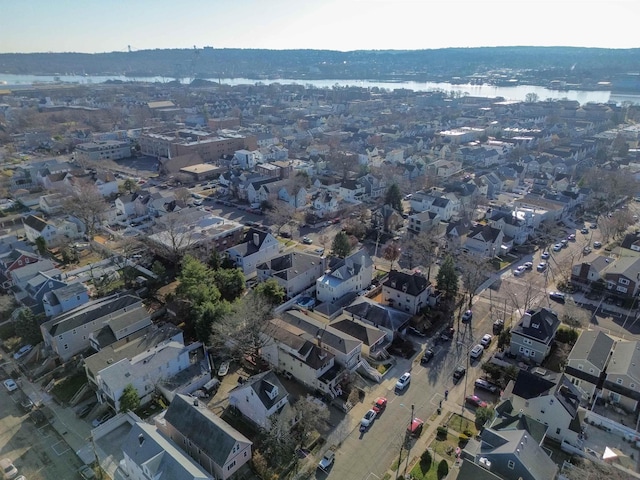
column 112, row 25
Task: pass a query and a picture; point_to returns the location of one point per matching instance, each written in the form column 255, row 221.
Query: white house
column 324, row 203
column 484, row 241
column 144, row 371
column 65, row 298
column 295, row 271
column 35, row 227
column 258, row 247
column 406, row 292
column 351, row 274
column 587, row 362
column 259, row 398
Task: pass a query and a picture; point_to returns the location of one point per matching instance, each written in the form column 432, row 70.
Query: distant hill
column 565, row 63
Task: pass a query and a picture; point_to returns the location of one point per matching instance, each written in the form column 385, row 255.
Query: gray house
column 509, row 454
column 295, row 271
column 205, row 437
column 533, row 335
column 588, row 361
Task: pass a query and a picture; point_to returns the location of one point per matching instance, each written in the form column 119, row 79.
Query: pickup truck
column 327, row 460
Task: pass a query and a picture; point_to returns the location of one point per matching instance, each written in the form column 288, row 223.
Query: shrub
column 425, row 458
column 443, row 469
column 468, row 433
column 463, row 439
column 483, row 414
column 567, row 335
column 442, row 432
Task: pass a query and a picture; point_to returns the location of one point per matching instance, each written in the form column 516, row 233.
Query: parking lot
column 37, row 450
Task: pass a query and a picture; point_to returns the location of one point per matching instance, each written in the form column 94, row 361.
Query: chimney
column 140, row 439
column 526, row 320
column 256, row 239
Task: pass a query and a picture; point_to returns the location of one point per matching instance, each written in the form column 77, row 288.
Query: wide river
column 518, row 92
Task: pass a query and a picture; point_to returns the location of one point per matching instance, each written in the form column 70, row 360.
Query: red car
column 415, row 427
column 379, row 405
column 475, row 401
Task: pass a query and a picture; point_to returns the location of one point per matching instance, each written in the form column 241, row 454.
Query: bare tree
column 391, row 252
column 85, row 202
column 279, row 214
column 172, row 237
column 472, row 274
column 245, row 330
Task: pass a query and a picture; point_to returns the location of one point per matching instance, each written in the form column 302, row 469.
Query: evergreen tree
column 272, row 291
column 130, row 400
column 341, row 246
column 447, row 278
column 393, row 197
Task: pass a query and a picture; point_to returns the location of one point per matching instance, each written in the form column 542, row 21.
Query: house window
column 621, row 289
column 580, row 367
column 633, row 386
column 511, row 464
column 619, row 381
column 591, row 370
column 231, row 465
column 623, row 281
column 521, row 349
column 526, row 341
column 533, row 354
column 66, row 346
column 558, row 430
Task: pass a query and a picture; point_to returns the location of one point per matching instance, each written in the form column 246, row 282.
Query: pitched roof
column 263, row 384
column 321, row 332
column 543, row 324
column 290, row 265
column 91, row 311
column 593, row 346
column 215, row 437
column 625, row 360
column 412, row 284
column 379, row 315
column 486, row 232
column 146, row 446
column 36, row 223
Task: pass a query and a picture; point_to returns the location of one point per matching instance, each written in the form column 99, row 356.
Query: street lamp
column 468, row 347
column 405, row 440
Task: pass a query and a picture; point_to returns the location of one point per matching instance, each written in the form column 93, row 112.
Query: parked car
column 10, row 385
column 586, row 250
column 475, row 401
column 498, row 326
column 564, row 243
column 307, row 240
column 557, row 247
column 26, row 404
column 467, row 316
column 224, row 368
column 484, row 385
column 485, row 341
column 585, row 231
column 368, row 418
column 426, row 358
column 545, row 255
column 459, row 372
column 476, row 351
column 9, row 470
column 572, row 237
column 327, row 460
column 379, row 405
column 557, row 296
column 101, row 419
column 22, row 352
column 285, row 234
column 519, row 270
column 415, row 427
column 542, row 266
column 86, row 472
column 528, row 265
column 403, row 381
column 597, row 244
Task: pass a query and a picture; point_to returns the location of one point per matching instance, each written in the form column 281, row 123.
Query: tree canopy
column 447, row 278
column 393, row 197
column 272, row 291
column 130, row 400
column 341, row 246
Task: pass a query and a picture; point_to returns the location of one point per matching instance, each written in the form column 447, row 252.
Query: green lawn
column 446, row 448
column 459, row 423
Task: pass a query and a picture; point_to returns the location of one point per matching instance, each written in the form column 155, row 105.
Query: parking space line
column 60, row 452
column 371, row 474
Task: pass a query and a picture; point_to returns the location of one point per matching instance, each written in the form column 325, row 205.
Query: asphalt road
column 369, row 455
